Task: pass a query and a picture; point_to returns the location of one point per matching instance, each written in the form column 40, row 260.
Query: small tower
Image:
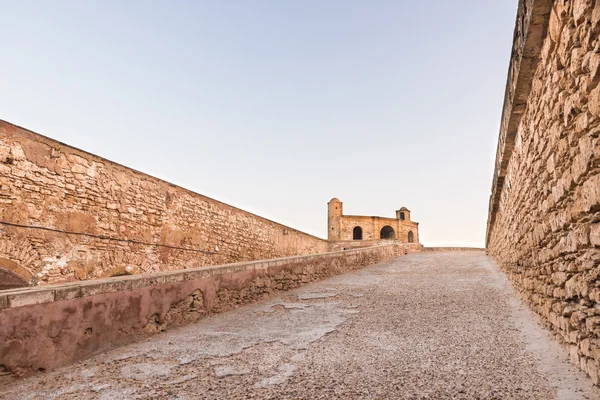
column 334, row 219
column 403, row 214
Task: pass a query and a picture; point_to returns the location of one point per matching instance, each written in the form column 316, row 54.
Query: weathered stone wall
column 54, row 325
column 544, row 222
column 341, row 227
column 371, row 227
column 95, row 218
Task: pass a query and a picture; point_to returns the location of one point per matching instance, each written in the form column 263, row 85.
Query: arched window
column 357, row 233
column 402, row 217
column 387, row 232
column 411, row 237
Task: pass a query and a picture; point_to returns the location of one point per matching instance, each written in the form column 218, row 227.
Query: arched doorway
column 357, row 233
column 387, row 232
column 12, row 275
column 411, row 237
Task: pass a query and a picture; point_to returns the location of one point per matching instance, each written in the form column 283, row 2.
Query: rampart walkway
column 424, row 326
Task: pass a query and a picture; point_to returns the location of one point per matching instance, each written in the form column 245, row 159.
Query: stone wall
column 340, row 227
column 69, row 215
column 444, row 249
column 544, row 221
column 371, row 227
column 404, row 248
column 50, row 326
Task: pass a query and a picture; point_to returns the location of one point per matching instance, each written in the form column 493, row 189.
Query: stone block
column 174, row 277
column 594, row 102
column 585, row 347
column 595, row 17
column 574, row 354
column 581, row 9
column 595, row 234
column 30, row 297
column 67, row 293
column 105, row 286
column 4, row 302
column 145, row 281
column 592, row 370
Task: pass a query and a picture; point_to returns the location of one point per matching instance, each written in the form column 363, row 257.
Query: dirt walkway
column 424, row 326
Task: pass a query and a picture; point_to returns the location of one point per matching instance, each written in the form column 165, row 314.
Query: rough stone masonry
column 544, row 218
column 68, row 215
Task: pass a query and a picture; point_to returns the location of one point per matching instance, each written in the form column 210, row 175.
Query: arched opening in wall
column 387, row 232
column 411, row 237
column 12, row 275
column 357, row 233
column 10, row 280
column 402, row 216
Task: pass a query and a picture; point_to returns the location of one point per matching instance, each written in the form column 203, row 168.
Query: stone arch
column 387, row 232
column 19, row 256
column 357, row 233
column 12, row 275
column 411, row 237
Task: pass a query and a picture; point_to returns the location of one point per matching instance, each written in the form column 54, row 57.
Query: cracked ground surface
column 423, row 326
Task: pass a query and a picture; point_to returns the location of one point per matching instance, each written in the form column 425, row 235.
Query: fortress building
column 342, row 227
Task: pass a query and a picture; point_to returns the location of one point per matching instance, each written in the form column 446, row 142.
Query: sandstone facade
column 544, row 221
column 70, row 215
column 364, row 228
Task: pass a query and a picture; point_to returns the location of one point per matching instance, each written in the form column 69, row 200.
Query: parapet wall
column 544, row 221
column 69, row 215
column 405, row 248
column 54, row 325
column 443, row 249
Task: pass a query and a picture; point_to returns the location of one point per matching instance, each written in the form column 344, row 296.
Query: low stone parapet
column 453, row 249
column 46, row 327
column 356, row 244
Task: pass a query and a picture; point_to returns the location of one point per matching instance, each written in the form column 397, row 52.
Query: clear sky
column 276, row 106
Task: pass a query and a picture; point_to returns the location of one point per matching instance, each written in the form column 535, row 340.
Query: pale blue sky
column 276, row 106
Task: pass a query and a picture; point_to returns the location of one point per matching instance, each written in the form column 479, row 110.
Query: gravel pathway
column 423, row 326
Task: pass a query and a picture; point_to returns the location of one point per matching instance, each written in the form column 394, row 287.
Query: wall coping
column 20, row 297
column 454, row 249
column 531, row 27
